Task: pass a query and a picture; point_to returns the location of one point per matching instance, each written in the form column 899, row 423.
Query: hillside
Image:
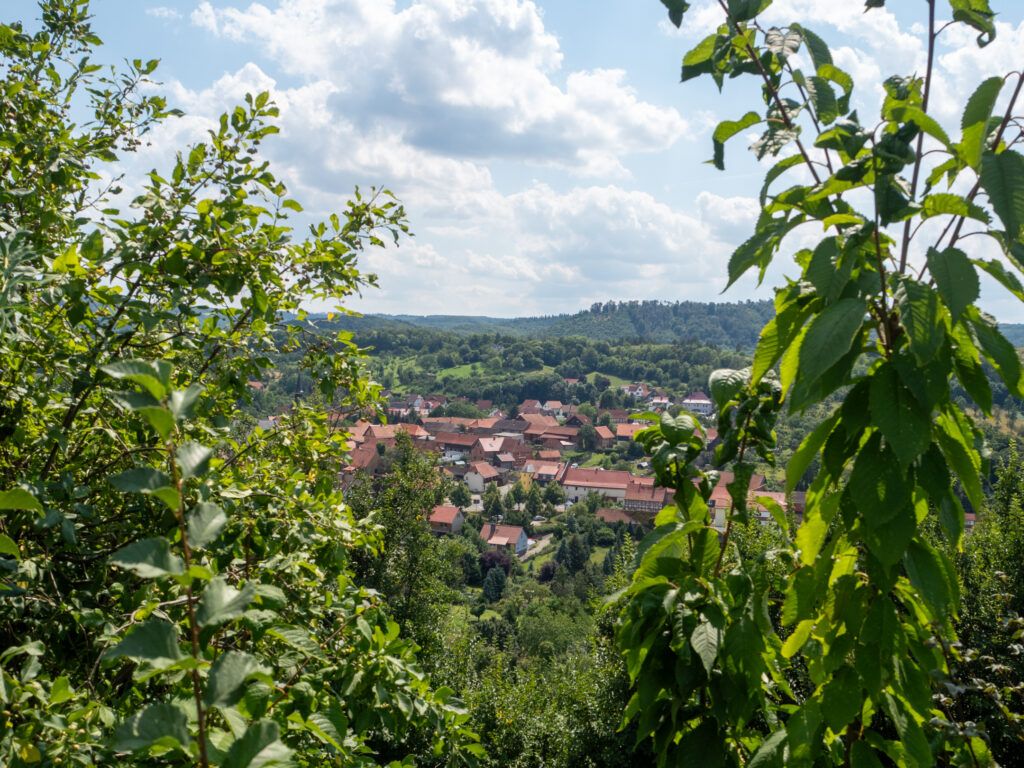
column 720, row 324
column 730, row 325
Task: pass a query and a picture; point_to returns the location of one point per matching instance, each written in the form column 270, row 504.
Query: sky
column 545, row 150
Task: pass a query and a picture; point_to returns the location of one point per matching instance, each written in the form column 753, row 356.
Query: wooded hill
column 723, row 324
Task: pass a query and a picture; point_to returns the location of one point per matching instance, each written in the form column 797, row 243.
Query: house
column 554, row 407
column 479, row 474
column 637, row 390
column 455, row 446
column 605, row 438
column 617, row 415
column 547, row 455
column 544, row 472
column 578, row 420
column 698, row 403
column 486, row 449
column 627, row 431
column 611, row 484
column 446, row 519
column 510, row 538
column 646, row 500
column 506, row 460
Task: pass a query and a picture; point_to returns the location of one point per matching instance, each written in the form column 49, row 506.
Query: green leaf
column 745, row 10
column 771, row 752
column 904, row 423
column 228, row 676
column 141, row 480
column 816, row 47
column 705, row 641
column 977, row 14
column 193, row 460
column 927, row 574
column 155, row 641
column 863, row 756
column 725, row 131
column 159, row 725
column 205, row 524
column 154, row 376
column 1007, row 279
column 956, row 279
column 19, row 498
column 882, row 495
column 259, row 747
column 221, row 602
column 182, row 401
column 61, row 691
column 841, row 699
column 946, row 204
column 826, row 106
column 9, row 547
column 922, row 318
column 725, row 384
column 697, row 61
column 828, row 271
column 807, row 450
column 149, row 407
column 676, row 9
column 963, row 457
column 149, row 559
column 800, row 635
column 829, row 337
column 1002, row 178
column 975, row 120
column 999, row 351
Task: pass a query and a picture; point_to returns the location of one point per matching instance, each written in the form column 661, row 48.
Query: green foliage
column 861, row 663
column 179, row 590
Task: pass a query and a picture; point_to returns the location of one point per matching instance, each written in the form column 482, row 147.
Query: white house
column 699, row 403
column 511, row 538
column 480, row 473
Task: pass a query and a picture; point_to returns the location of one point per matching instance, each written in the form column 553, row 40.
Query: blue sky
column 546, row 152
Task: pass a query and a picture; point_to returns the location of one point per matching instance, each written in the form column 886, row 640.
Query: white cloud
column 163, row 12
column 476, row 79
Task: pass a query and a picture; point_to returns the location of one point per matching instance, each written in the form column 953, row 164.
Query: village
column 543, row 444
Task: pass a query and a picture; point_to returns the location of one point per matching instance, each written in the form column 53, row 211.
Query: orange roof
column 627, row 431
column 493, row 533
column 485, row 470
column 600, row 478
column 444, row 514
column 604, row 433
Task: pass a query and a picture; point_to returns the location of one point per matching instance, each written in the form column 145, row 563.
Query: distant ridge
column 720, row 324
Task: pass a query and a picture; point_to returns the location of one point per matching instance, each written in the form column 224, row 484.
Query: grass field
column 617, row 381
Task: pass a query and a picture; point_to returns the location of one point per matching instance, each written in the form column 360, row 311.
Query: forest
column 181, row 587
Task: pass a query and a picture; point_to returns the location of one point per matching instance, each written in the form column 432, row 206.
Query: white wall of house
column 576, row 493
column 475, row 482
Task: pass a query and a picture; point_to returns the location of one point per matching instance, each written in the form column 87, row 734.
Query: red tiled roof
column 612, row 516
column 600, row 478
column 604, row 433
column 493, row 533
column 460, row 439
column 485, row 470
column 647, row 492
column 444, row 514
column 627, row 431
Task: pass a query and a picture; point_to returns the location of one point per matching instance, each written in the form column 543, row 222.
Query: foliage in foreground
column 175, row 593
column 871, row 597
